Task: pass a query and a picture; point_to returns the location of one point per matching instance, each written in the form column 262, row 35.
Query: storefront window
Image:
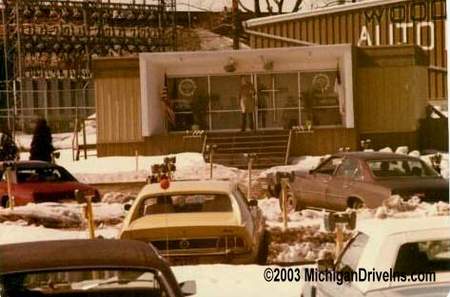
column 190, row 99
column 278, row 100
column 283, row 100
column 225, row 106
column 319, row 98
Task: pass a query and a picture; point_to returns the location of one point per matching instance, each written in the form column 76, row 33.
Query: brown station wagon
column 356, row 179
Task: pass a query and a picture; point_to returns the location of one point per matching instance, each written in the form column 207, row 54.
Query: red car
column 37, row 181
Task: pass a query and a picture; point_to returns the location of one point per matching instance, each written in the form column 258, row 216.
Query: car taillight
column 230, row 242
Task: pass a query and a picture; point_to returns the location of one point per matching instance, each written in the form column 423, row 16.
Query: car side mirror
column 253, row 203
column 188, row 288
column 127, row 206
column 325, row 264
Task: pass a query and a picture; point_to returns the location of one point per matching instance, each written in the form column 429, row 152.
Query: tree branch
column 297, row 5
column 269, row 7
column 246, row 9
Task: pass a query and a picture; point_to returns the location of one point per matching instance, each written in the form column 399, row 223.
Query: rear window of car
column 85, row 282
column 48, row 174
column 185, row 203
column 423, row 256
column 400, row 168
column 352, row 253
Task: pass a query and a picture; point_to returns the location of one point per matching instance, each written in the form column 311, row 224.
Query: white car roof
column 387, row 235
column 217, row 186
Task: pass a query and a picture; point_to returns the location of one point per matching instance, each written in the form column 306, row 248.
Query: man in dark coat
column 41, row 145
column 8, row 148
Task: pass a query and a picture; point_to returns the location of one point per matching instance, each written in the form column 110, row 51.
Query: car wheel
column 263, row 251
column 355, row 203
column 292, row 204
column 4, row 202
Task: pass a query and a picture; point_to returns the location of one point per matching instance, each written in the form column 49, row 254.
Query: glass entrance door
column 278, row 100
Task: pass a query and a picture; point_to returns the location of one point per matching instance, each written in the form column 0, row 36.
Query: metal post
column 5, row 53
column 136, row 154
column 283, row 203
column 84, row 139
column 211, row 164
column 236, row 24
column 249, row 190
column 8, row 185
column 90, row 217
column 87, row 209
column 19, row 64
column 339, row 239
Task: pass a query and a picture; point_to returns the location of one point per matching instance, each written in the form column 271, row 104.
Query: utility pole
column 236, row 25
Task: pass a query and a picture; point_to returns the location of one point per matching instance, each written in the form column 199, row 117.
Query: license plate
column 176, row 261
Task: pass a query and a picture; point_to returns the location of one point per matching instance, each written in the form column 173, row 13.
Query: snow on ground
column 62, row 215
column 234, row 280
column 15, row 233
column 124, row 169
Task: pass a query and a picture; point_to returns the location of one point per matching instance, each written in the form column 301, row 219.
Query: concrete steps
column 269, row 146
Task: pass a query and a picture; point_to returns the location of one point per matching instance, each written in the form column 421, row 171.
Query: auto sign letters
column 402, row 18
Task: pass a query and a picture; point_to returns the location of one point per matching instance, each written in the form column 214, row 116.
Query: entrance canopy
column 295, row 86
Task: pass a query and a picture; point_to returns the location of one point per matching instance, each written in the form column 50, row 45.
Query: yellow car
column 195, row 222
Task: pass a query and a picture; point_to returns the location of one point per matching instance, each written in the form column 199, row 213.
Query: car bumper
column 210, row 258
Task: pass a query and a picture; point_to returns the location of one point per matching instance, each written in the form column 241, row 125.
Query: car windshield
column 186, row 203
column 49, row 174
column 431, row 255
column 86, row 282
column 400, row 168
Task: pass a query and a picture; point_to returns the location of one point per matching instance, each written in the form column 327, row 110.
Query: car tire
column 4, row 202
column 263, row 251
column 355, row 203
column 292, row 202
column 97, row 197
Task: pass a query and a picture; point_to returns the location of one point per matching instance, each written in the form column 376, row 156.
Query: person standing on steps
column 247, row 103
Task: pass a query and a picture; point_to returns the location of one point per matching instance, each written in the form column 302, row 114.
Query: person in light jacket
column 247, row 103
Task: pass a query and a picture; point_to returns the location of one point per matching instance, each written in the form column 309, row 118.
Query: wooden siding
column 323, row 141
column 345, row 27
column 390, row 94
column 118, row 103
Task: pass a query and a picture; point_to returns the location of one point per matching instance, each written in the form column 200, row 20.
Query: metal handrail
column 205, row 136
column 288, row 149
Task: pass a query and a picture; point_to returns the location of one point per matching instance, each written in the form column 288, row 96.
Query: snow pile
column 58, row 215
column 300, row 244
column 396, row 207
column 16, row 233
column 270, row 208
column 117, row 197
column 298, row 164
column 306, row 240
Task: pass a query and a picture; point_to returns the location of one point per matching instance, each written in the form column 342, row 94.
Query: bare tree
column 273, row 6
